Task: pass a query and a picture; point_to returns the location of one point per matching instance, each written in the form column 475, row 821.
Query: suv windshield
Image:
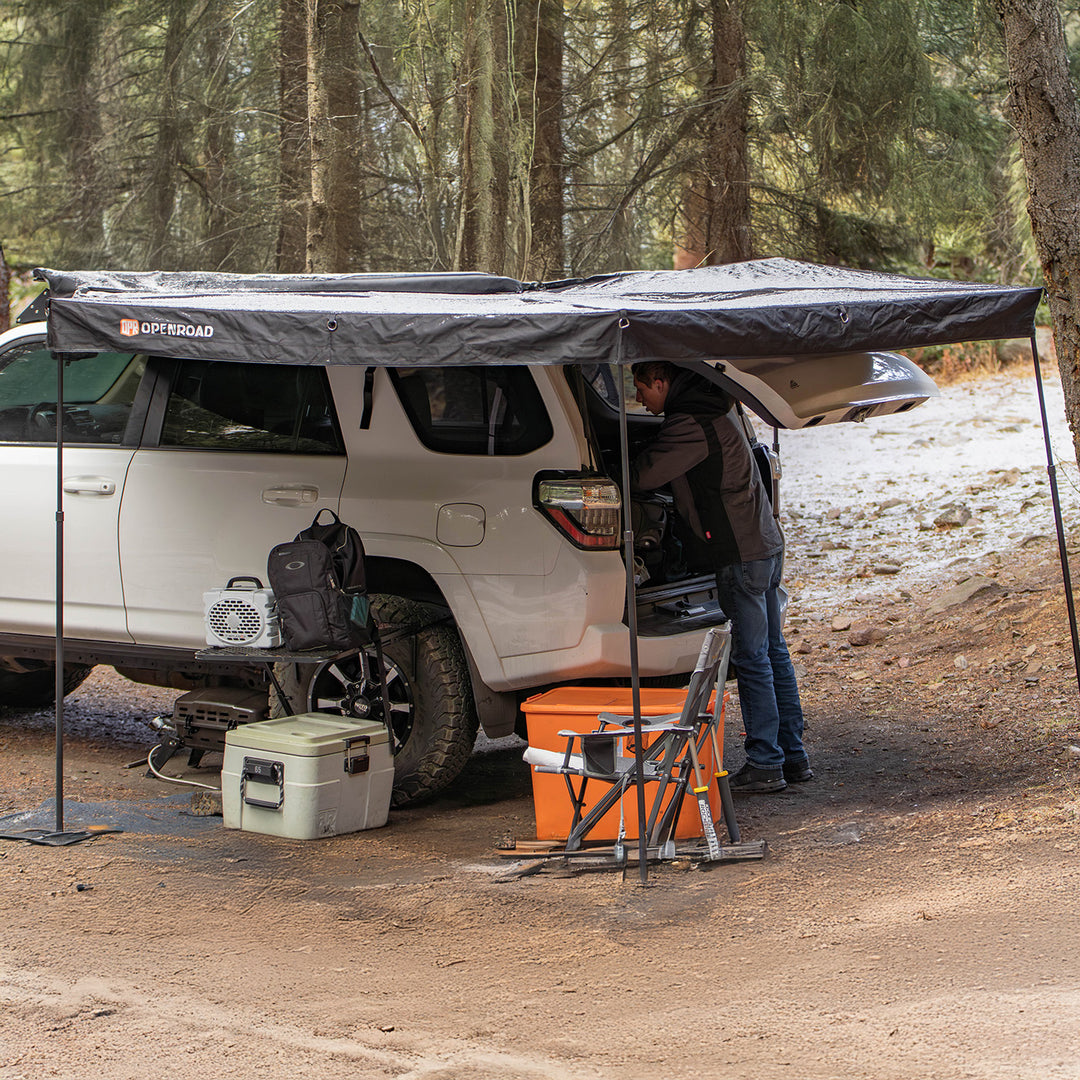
column 29, row 377
column 98, row 395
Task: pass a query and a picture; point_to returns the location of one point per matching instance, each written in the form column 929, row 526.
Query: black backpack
column 320, row 587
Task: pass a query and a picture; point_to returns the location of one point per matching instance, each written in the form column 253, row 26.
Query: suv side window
column 474, row 410
column 98, row 395
column 254, row 408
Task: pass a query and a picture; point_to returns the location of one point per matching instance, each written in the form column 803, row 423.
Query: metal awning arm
column 1051, row 472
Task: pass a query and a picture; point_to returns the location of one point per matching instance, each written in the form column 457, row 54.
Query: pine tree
column 1043, row 99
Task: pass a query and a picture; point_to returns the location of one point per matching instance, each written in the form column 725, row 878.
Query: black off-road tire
column 428, row 672
column 37, row 688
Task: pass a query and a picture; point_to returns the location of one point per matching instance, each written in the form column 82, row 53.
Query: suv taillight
column 585, row 509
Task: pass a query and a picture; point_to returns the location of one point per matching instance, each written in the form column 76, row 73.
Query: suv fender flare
column 425, row 571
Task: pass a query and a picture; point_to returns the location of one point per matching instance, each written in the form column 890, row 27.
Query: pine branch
column 28, row 115
column 401, row 110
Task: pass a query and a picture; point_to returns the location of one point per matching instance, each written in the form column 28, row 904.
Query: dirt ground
column 915, row 915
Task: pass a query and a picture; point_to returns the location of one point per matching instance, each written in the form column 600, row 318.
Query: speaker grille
column 234, row 621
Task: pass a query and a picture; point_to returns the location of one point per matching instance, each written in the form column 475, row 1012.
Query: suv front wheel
column 430, row 695
column 35, row 686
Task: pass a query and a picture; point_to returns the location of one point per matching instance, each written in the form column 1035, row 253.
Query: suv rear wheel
column 37, row 686
column 430, row 695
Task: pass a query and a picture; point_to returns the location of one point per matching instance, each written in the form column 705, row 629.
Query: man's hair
column 648, row 371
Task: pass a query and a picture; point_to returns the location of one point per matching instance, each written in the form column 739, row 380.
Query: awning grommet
column 331, row 325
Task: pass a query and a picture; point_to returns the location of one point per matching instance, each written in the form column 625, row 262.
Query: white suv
column 482, row 495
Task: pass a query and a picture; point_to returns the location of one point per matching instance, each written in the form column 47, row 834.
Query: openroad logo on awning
column 135, row 328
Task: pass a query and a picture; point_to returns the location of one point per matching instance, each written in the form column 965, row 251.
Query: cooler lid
column 306, row 735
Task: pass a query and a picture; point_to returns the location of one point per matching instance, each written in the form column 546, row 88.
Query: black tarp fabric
column 763, row 308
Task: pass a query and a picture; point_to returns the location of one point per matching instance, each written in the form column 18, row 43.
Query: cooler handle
column 264, row 772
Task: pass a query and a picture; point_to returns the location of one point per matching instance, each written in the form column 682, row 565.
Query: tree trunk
column 294, row 175
column 320, row 244
column 485, row 171
column 5, row 293
column 333, row 108
column 1047, row 118
column 619, row 252
column 540, row 67
column 344, row 94
column 82, row 124
column 716, row 206
column 218, row 217
column 168, row 152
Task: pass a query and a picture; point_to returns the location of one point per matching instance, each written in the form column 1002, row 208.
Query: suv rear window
column 474, row 410
column 252, row 408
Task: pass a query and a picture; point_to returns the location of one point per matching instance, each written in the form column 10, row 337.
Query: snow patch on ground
column 858, row 500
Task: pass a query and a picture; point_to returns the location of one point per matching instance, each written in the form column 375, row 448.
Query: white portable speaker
column 243, row 613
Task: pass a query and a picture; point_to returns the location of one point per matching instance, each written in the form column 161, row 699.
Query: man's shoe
column 795, row 772
column 754, row 781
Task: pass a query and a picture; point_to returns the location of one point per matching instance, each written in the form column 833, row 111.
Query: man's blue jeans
column 768, row 693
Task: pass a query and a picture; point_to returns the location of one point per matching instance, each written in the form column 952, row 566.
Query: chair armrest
column 622, row 720
column 623, row 732
column 553, row 760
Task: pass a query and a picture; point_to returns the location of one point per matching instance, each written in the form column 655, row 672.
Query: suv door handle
column 89, row 485
column 296, row 495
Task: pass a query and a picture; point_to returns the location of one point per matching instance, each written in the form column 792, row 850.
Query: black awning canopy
column 771, row 307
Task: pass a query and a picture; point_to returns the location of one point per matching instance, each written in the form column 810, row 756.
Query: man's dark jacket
column 703, row 453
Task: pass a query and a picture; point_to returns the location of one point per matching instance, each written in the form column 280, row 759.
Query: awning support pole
column 1051, row 472
column 59, row 592
column 631, row 606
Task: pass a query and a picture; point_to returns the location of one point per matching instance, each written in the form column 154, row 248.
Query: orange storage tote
column 576, row 708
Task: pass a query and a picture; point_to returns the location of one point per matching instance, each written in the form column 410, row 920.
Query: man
column 703, row 454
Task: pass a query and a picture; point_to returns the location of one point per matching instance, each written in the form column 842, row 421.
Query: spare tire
column 433, row 716
column 37, row 687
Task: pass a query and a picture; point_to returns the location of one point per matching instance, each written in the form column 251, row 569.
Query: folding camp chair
column 672, row 757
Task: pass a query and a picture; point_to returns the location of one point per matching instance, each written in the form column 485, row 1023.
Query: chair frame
column 669, row 761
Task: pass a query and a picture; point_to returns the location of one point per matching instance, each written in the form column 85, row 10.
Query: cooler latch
column 362, row 761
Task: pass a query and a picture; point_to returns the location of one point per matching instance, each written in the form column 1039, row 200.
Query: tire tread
column 443, row 667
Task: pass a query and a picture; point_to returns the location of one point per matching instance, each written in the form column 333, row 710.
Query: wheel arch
column 497, row 710
column 402, row 578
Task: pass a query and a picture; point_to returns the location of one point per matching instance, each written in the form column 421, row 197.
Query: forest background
column 533, row 138
column 540, row 139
